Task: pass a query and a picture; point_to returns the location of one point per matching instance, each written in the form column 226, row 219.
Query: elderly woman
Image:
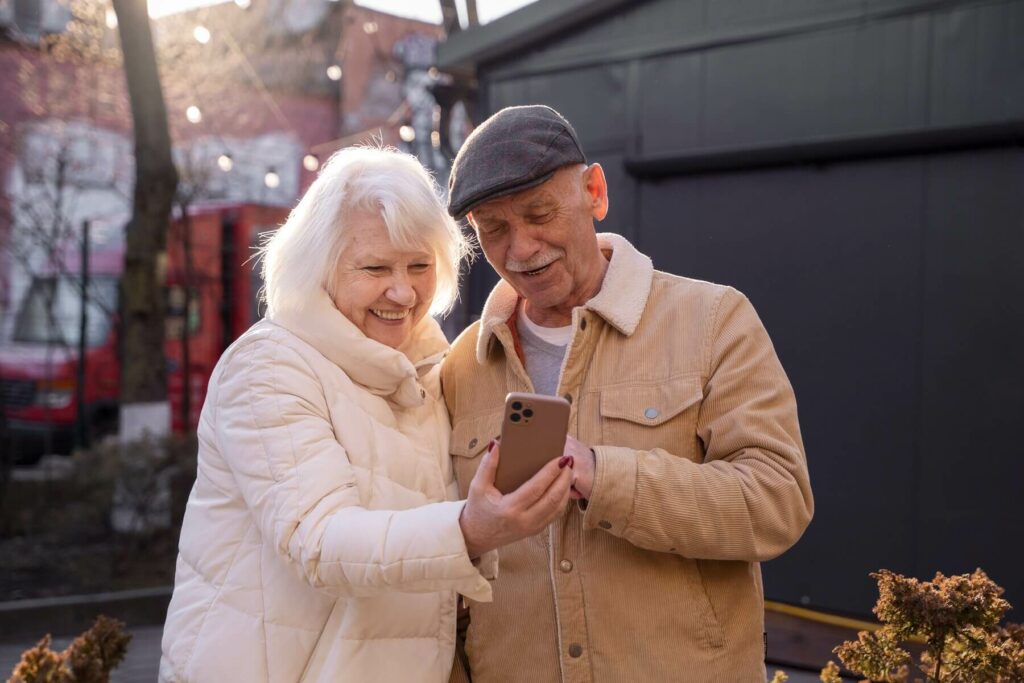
column 322, row 538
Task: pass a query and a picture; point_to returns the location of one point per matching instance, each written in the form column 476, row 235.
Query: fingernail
column 565, row 460
column 490, row 446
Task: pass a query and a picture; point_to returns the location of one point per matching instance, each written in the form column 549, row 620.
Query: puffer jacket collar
column 393, row 374
column 621, row 301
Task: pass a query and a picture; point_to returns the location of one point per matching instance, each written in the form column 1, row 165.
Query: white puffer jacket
column 321, row 539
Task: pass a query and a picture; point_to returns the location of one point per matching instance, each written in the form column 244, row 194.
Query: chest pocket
column 470, row 438
column 651, row 415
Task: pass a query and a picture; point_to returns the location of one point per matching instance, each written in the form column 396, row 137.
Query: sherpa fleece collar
column 621, row 301
column 391, row 373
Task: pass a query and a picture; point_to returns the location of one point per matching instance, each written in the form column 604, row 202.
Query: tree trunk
column 143, row 377
column 449, row 17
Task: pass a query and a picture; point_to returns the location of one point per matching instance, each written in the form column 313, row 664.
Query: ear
column 596, row 188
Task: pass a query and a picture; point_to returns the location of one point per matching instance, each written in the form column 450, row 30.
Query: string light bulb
column 244, row 4
column 111, row 18
column 311, row 162
column 201, row 34
column 407, row 133
column 193, row 114
column 334, row 72
column 271, row 179
column 225, row 162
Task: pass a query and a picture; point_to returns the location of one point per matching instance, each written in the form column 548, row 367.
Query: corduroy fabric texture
column 701, row 475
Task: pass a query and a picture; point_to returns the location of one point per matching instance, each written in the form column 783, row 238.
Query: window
column 51, row 310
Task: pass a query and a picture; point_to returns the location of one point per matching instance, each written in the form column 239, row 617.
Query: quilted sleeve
column 273, row 428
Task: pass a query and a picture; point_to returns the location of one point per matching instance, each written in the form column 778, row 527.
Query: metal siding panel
column 731, row 13
column 508, row 93
column 973, row 474
column 592, row 99
column 645, row 21
column 978, row 64
column 854, row 80
column 831, row 259
column 670, row 103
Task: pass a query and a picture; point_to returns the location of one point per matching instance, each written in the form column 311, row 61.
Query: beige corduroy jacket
column 700, row 475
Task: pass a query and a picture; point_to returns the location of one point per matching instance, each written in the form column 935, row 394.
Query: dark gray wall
column 856, row 168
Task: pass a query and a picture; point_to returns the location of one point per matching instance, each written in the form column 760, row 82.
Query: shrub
column 88, row 659
column 956, row 618
column 58, row 534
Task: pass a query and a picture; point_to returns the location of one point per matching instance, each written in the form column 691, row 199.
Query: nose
column 401, row 290
column 522, row 243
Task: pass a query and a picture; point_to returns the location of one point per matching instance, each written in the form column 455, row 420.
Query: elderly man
column 688, row 460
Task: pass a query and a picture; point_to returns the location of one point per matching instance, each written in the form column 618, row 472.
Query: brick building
column 257, row 95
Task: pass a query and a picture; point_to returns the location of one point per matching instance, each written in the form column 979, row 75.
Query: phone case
column 532, row 433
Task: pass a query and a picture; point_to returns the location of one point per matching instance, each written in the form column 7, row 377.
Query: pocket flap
column 653, row 403
column 470, row 436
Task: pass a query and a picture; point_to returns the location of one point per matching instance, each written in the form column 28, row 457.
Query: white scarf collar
column 621, row 301
column 391, row 373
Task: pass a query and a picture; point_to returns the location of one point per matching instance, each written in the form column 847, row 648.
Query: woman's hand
column 491, row 519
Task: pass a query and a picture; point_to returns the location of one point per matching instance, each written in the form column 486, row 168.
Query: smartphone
column 532, row 433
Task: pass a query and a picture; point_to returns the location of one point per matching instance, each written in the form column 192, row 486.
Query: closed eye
column 491, row 228
column 420, row 267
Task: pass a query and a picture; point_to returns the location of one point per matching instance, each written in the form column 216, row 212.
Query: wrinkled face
column 542, row 241
column 382, row 289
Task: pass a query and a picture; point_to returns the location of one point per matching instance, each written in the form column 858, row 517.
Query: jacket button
column 651, row 413
column 605, row 524
column 565, row 566
column 575, row 650
column 472, row 443
column 583, row 324
column 568, row 397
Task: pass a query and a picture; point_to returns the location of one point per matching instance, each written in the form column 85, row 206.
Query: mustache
column 534, row 262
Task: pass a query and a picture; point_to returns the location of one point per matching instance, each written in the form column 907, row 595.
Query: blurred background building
column 258, row 95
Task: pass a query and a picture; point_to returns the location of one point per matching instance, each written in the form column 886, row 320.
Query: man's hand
column 490, row 520
column 584, row 465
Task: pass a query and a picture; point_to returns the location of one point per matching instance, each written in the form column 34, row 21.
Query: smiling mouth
column 538, row 271
column 389, row 315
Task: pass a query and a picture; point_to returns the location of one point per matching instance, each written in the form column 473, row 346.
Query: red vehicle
column 39, row 364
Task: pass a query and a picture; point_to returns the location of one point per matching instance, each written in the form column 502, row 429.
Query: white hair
column 302, row 255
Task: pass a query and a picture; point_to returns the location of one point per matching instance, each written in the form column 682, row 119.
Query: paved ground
column 144, row 658
column 140, row 666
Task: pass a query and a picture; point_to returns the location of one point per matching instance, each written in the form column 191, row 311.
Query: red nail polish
column 490, row 446
column 565, row 460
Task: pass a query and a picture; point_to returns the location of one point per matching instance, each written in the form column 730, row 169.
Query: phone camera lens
column 515, row 417
column 517, row 406
column 527, row 413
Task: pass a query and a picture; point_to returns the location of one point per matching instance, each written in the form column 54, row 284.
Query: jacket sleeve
column 750, row 499
column 273, row 428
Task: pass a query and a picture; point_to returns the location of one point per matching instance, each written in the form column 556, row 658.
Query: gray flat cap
column 516, row 149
